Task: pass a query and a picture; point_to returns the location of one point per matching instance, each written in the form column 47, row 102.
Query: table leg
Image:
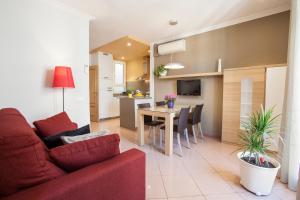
column 169, row 135
column 141, row 138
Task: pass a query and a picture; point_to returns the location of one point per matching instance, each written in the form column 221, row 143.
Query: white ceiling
column 148, row 19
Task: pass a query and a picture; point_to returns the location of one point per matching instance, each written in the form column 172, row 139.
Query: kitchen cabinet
column 128, row 111
column 108, row 105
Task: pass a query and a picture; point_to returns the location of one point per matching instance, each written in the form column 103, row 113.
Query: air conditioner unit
column 171, row 47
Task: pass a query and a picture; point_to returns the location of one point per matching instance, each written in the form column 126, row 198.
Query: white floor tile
column 172, row 167
column 232, row 196
column 189, row 198
column 212, row 183
column 155, row 187
column 180, row 186
column 285, row 194
column 251, row 196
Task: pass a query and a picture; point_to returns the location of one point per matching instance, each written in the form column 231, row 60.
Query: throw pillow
column 55, row 140
column 80, row 154
column 54, row 125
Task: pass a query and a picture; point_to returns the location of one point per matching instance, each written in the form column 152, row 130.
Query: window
column 119, row 76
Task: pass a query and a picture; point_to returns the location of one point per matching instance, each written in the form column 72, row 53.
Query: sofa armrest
column 81, row 154
column 119, row 178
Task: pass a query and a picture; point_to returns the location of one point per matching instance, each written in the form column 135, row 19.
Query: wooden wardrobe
column 244, row 91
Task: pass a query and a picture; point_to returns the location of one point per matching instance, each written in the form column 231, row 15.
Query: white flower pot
column 163, row 73
column 258, row 180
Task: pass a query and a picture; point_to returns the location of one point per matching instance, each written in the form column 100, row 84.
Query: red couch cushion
column 53, row 125
column 80, row 154
column 24, row 161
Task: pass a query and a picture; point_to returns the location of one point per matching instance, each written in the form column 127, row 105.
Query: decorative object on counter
column 258, row 134
column 170, row 99
column 160, row 71
column 219, row 65
column 130, row 93
column 138, row 93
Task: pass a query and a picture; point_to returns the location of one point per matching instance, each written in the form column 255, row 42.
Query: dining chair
column 148, row 121
column 195, row 121
column 180, row 128
column 160, row 103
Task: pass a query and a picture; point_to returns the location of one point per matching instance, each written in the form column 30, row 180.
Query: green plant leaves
column 258, row 133
column 159, row 69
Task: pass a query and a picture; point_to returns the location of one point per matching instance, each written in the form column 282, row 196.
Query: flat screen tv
column 189, row 87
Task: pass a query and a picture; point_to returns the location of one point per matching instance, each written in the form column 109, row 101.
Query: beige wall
column 257, row 42
column 134, row 69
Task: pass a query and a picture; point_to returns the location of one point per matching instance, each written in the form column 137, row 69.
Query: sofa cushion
column 80, row 154
column 24, row 161
column 54, row 125
column 55, row 140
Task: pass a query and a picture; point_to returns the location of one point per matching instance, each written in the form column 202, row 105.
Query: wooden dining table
column 159, row 111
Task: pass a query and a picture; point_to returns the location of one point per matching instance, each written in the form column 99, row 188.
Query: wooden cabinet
column 244, row 91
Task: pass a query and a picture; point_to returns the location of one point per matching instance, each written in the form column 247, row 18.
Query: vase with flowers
column 170, row 99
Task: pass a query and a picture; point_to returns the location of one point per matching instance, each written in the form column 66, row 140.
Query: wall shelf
column 207, row 74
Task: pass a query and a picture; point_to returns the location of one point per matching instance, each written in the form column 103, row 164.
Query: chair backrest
column 160, row 103
column 147, row 118
column 183, row 119
column 196, row 117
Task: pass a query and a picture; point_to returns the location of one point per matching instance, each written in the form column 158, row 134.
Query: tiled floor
column 208, row 171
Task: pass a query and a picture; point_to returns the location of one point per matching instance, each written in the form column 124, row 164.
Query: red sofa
column 28, row 170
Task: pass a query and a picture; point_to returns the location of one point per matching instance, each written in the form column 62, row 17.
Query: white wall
column 36, row 35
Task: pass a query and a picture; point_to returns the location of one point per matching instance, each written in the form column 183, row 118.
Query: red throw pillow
column 53, row 125
column 24, row 161
column 80, row 154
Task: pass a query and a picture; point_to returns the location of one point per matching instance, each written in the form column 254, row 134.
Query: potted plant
column 130, row 92
column 170, row 99
column 160, row 71
column 257, row 169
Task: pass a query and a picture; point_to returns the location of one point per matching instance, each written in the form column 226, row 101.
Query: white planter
column 258, row 180
column 163, row 73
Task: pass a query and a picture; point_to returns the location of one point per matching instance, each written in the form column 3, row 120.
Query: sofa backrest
column 24, row 160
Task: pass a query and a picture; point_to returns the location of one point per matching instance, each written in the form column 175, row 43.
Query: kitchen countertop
column 125, row 96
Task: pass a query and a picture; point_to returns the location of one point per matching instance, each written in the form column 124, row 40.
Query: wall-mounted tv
column 189, row 87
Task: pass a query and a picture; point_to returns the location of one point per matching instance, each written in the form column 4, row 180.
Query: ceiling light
column 129, row 44
column 174, row 66
column 173, row 22
column 122, row 57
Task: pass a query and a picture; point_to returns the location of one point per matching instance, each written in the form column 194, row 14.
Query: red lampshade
column 63, row 77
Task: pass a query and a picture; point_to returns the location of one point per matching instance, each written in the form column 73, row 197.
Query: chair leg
column 194, row 134
column 200, row 130
column 154, row 133
column 161, row 138
column 187, row 138
column 150, row 133
column 179, row 144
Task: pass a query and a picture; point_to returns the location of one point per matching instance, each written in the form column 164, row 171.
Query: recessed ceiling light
column 122, row 57
column 173, row 22
column 129, row 44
